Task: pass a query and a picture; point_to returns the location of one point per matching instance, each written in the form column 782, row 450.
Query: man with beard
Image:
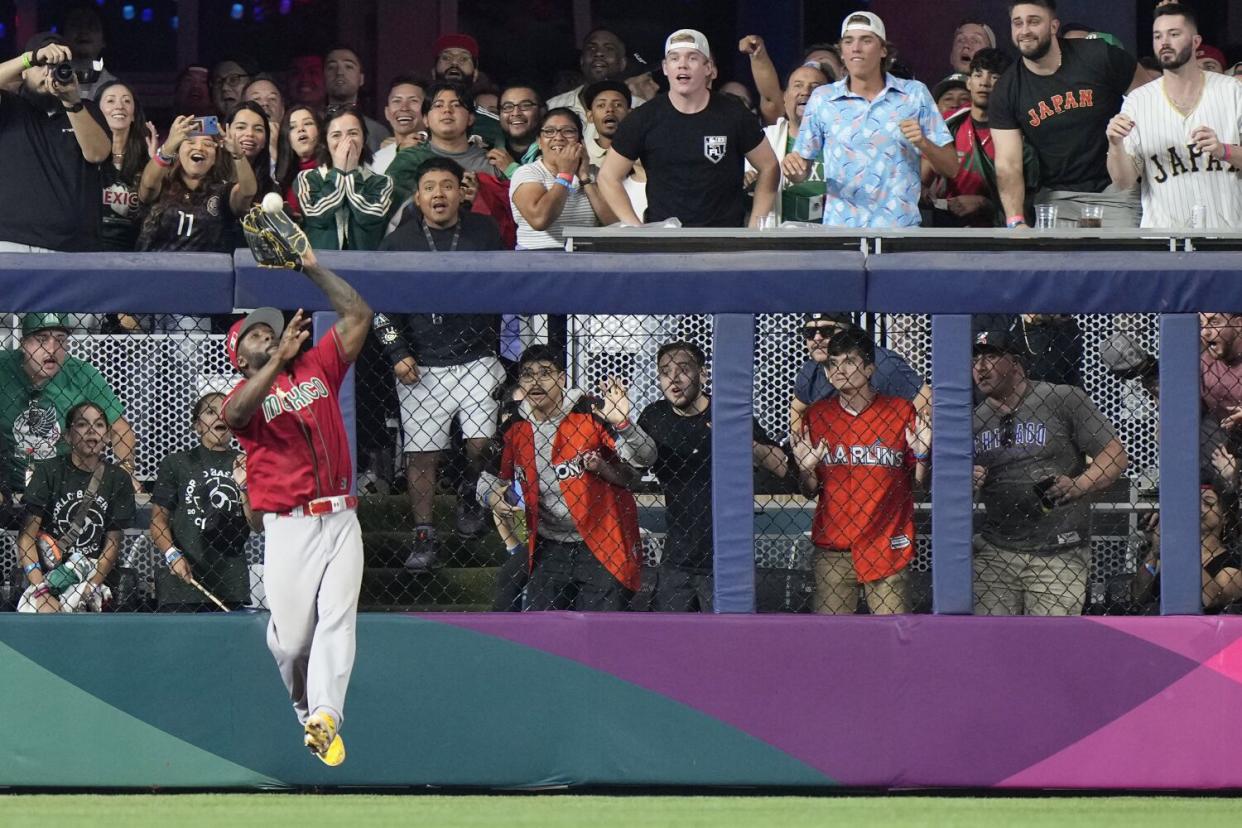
column 404, row 113
column 457, row 61
column 971, row 199
column 50, row 199
column 1059, row 98
column 1220, row 368
column 693, row 143
column 521, row 111
column 1180, row 135
column 681, row 426
column 602, row 58
column 871, row 131
column 343, row 78
column 1040, row 452
column 803, row 201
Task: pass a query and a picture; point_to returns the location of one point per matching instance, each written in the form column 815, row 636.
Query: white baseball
column 272, row 203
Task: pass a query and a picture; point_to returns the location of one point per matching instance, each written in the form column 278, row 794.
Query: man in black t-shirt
column 680, row 425
column 1060, row 98
column 446, row 364
column 52, row 143
column 692, row 144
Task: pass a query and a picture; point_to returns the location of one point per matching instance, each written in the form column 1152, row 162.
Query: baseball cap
column 271, row 317
column 997, row 341
column 955, row 81
column 1211, row 53
column 840, row 318
column 864, row 22
column 1110, row 39
column 35, row 322
column 1125, row 359
column 688, row 39
column 589, row 94
column 456, row 41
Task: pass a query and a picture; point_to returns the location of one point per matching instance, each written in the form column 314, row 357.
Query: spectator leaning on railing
column 692, row 143
column 1180, row 135
column 345, row 206
column 52, row 143
column 871, row 130
column 1031, row 444
column 1059, row 97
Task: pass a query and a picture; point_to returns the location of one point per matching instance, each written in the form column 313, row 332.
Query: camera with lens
column 62, row 73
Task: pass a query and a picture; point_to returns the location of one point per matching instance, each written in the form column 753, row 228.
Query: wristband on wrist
column 1153, row 569
column 921, row 457
column 43, row 588
column 27, row 60
column 622, row 426
column 30, row 567
column 172, row 555
column 513, row 550
column 77, row 107
column 566, row 177
column 161, row 159
column 566, row 184
column 1013, row 221
column 1228, row 151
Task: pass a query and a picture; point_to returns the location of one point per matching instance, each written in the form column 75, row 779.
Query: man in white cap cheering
column 692, row 142
column 871, row 130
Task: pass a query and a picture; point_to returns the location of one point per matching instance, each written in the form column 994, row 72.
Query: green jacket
column 344, row 211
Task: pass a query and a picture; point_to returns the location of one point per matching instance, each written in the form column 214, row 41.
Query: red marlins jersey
column 866, row 505
column 295, row 443
column 605, row 515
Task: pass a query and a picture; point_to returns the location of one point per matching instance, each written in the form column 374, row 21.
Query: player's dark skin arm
column 246, row 400
column 354, row 312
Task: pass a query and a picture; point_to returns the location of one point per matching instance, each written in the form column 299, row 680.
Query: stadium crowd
column 1064, row 129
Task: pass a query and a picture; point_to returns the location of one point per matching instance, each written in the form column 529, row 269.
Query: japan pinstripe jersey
column 866, row 503
column 296, row 446
column 1176, row 175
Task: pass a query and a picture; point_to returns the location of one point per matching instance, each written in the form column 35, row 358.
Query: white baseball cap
column 688, row 39
column 864, row 22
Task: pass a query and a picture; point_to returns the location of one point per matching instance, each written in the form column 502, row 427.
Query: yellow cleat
column 323, row 741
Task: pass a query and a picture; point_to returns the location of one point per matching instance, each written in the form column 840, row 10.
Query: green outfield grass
column 562, row 811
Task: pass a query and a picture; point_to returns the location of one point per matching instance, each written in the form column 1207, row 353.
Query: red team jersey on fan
column 866, row 504
column 295, row 443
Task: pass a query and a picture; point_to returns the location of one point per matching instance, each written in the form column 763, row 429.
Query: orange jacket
column 605, row 515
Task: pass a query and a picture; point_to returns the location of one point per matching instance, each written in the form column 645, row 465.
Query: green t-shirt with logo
column 32, row 419
column 208, row 526
column 56, row 488
column 796, row 194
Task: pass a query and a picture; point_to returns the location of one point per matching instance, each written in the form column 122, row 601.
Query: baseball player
column 287, row 417
column 856, row 452
column 1181, row 134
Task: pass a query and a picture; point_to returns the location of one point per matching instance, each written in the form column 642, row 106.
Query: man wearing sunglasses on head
column 1040, row 452
column 893, row 375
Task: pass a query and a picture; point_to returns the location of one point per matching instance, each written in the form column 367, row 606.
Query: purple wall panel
column 938, row 701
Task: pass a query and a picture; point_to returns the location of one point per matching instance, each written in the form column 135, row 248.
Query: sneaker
column 323, row 741
column 423, row 556
column 471, row 517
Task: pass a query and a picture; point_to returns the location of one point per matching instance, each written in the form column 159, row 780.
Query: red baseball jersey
column 295, row 443
column 866, row 505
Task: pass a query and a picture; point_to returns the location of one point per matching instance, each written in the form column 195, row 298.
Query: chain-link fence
column 461, row 421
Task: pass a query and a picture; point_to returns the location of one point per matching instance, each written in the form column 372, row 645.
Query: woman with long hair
column 301, row 148
column 345, row 205
column 133, row 144
column 264, row 91
column 249, row 128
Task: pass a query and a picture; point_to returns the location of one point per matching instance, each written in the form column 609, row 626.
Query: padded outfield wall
column 734, row 699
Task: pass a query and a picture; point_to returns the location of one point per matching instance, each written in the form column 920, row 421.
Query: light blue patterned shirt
column 872, row 172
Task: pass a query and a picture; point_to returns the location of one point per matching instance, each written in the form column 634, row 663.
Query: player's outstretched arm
column 354, row 312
